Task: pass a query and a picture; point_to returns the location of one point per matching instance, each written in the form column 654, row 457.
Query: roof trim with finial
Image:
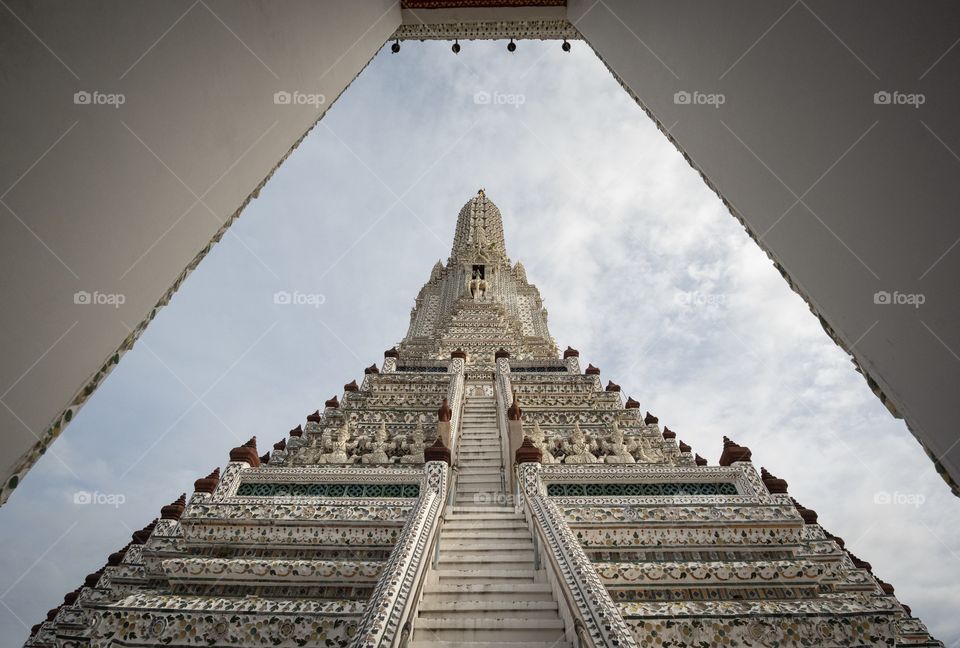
column 733, row 453
column 246, row 453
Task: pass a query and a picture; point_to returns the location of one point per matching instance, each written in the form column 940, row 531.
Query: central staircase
column 485, row 591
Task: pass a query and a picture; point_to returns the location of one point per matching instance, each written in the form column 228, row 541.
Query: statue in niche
column 578, row 451
column 414, row 447
column 617, row 451
column 539, row 439
column 338, row 446
column 381, row 444
column 478, row 287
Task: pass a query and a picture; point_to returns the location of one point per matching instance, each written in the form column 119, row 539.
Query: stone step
column 481, row 567
column 485, row 560
column 490, row 591
column 482, row 509
column 487, row 515
column 488, row 545
column 481, row 499
column 460, row 628
column 480, row 478
column 474, row 576
column 489, row 609
column 484, row 534
column 502, row 525
column 488, row 644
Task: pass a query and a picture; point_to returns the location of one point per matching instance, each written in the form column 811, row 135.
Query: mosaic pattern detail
column 328, row 490
column 627, row 490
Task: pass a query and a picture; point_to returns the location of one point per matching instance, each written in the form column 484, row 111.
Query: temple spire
column 479, row 234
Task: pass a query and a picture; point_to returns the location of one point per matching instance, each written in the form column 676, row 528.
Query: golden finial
column 481, row 192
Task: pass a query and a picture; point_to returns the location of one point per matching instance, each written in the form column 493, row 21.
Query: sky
column 640, row 266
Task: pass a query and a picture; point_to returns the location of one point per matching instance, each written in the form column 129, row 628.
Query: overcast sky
column 641, row 268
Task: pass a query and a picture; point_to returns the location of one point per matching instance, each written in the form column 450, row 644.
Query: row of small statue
column 580, row 448
column 339, row 448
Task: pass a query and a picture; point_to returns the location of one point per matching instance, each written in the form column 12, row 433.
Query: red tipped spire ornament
column 351, row 386
column 265, row 458
column 174, row 509
column 316, row 417
column 372, row 369
column 773, row 483
column 809, row 515
column 280, row 445
column 459, row 353
column 437, row 452
column 116, row 557
column 632, row 404
column 298, row 431
column 591, row 371
column 570, row 352
column 612, row 386
column 207, row 484
column 93, row 578
column 860, row 564
column 444, row 414
column 733, row 452
column 501, row 353
column 700, row 460
column 650, row 419
column 391, row 353
column 140, row 537
column 246, row 453
column 528, row 453
column 332, row 402
column 683, row 446
column 667, row 432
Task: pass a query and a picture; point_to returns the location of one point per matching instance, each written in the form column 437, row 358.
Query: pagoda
column 480, row 488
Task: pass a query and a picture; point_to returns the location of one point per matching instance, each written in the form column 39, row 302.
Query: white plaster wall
column 880, row 184
column 89, row 207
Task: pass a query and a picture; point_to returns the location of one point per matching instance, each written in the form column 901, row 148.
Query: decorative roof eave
column 536, row 29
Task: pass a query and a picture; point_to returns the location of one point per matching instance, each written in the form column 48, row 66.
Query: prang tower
column 479, row 489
